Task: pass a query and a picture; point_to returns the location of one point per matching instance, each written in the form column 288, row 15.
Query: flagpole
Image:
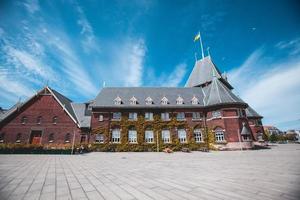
column 201, row 45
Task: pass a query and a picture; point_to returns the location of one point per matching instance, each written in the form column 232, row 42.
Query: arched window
column 132, row 135
column 116, row 134
column 51, row 138
column 182, row 135
column 54, row 120
column 39, row 120
column 24, row 120
column 198, row 135
column 18, row 137
column 67, row 138
column 219, row 135
column 149, row 135
column 2, row 135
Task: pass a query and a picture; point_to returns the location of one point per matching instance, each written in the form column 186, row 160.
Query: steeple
column 202, row 74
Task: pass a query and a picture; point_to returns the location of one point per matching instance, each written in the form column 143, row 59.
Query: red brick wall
column 46, row 107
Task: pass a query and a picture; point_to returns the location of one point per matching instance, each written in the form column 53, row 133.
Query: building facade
column 203, row 113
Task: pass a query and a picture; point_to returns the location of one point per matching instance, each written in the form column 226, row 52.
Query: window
column 196, row 116
column 198, row 135
column 117, row 116
column 260, row 136
column 67, row 138
column 148, row 101
column 149, row 136
column 132, row 116
column 216, row 114
column 100, row 119
column 165, row 134
column 133, row 101
column 24, row 120
column 51, row 138
column 132, row 136
column 19, row 137
column 179, row 100
column 117, row 101
column 246, row 138
column 54, row 120
column 2, row 137
column 116, row 135
column 99, row 138
column 180, row 116
column 165, row 116
column 195, row 100
column 164, row 101
column 149, row 116
column 219, row 135
column 39, row 120
column 182, row 135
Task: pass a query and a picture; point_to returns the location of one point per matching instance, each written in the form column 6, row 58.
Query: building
column 140, row 118
column 272, row 130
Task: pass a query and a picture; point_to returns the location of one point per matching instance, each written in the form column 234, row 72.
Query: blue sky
column 77, row 45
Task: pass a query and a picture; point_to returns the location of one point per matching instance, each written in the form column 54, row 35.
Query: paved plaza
column 263, row 174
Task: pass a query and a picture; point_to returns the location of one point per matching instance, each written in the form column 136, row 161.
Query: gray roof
column 64, row 101
column 204, row 95
column 203, row 73
column 83, row 115
column 11, row 110
column 218, row 93
column 245, row 130
column 250, row 112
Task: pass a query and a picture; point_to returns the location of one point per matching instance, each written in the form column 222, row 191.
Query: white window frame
column 99, row 138
column 165, row 116
column 133, row 101
column 198, row 136
column 148, row 116
column 216, row 114
column 164, row 101
column 166, row 136
column 100, row 119
column 132, row 116
column 117, row 114
column 118, row 100
column 219, row 135
column 132, row 136
column 182, row 135
column 180, row 116
column 149, row 136
column 179, row 100
column 195, row 100
column 196, row 116
column 148, row 101
column 116, row 135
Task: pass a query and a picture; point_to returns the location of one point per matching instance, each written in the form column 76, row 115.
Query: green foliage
column 140, row 125
column 273, row 138
column 33, row 149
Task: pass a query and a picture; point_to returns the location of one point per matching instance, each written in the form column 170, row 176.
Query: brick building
column 151, row 117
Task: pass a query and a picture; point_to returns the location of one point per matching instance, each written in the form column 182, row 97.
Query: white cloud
column 32, row 6
column 88, row 41
column 272, row 91
column 292, row 45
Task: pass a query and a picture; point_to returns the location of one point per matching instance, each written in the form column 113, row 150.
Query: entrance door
column 35, row 137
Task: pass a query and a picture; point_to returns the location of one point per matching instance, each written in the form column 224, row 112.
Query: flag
column 197, row 37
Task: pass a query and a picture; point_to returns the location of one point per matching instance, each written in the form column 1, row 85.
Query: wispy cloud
column 32, row 6
column 272, row 91
column 292, row 45
column 89, row 42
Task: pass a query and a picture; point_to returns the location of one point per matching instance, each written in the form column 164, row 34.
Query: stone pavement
column 264, row 174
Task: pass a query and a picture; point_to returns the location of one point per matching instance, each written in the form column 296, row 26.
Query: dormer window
column 195, row 100
column 164, row 101
column 133, row 101
column 179, row 100
column 118, row 101
column 148, row 101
